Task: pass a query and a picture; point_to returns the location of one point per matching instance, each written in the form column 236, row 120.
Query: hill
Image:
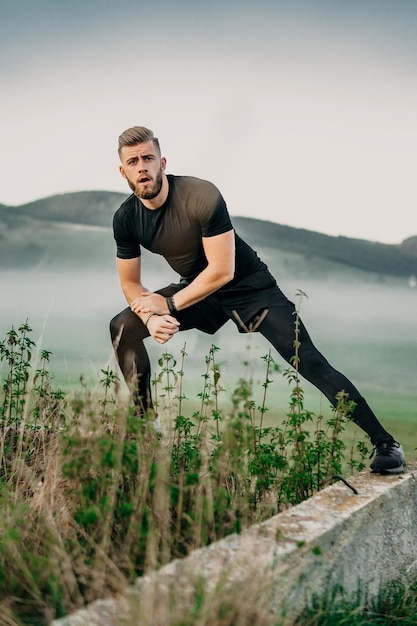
column 74, row 230
column 60, row 232
column 392, row 260
column 84, row 207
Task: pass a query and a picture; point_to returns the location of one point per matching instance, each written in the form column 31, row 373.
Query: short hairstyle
column 137, row 134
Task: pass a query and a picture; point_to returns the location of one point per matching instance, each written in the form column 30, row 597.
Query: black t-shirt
column 193, row 209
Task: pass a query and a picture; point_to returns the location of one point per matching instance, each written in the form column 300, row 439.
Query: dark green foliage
column 16, row 352
column 395, row 604
column 107, row 499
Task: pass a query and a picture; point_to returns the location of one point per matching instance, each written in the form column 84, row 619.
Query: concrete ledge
column 336, row 538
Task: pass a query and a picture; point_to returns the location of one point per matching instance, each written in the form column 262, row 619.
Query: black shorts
column 243, row 303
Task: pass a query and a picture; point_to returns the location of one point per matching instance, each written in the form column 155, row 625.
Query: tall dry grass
column 93, row 497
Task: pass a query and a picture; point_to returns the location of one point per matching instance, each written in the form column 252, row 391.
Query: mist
column 367, row 331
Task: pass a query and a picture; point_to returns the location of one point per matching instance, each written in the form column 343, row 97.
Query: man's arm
column 220, row 269
column 129, row 271
column 161, row 327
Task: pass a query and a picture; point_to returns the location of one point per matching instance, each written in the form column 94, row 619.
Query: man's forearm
column 133, row 291
column 203, row 285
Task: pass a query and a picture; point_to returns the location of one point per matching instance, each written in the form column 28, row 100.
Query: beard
column 150, row 191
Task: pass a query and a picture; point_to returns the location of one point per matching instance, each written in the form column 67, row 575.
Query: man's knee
column 129, row 325
column 121, row 323
column 116, row 327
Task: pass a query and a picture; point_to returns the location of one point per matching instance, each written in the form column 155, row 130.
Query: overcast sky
column 303, row 112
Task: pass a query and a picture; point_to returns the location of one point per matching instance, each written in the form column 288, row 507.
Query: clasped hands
column 149, row 302
column 162, row 326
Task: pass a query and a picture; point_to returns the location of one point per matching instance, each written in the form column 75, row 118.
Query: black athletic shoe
column 389, row 458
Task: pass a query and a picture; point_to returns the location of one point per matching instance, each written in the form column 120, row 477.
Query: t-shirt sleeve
column 214, row 216
column 127, row 246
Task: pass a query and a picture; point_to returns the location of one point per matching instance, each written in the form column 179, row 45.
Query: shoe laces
column 384, row 448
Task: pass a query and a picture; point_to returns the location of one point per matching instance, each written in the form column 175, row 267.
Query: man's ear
column 121, row 170
column 163, row 163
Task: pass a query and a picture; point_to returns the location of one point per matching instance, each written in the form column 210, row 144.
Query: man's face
column 143, row 169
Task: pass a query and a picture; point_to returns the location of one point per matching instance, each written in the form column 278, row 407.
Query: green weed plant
column 93, row 497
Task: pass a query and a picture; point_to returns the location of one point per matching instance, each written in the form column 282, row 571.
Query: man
column 185, row 219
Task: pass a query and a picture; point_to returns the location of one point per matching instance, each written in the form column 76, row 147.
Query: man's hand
column 162, row 327
column 149, row 302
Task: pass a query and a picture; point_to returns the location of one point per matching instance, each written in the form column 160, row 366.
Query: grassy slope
column 43, row 233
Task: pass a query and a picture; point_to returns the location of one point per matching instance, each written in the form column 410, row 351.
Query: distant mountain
column 60, row 232
column 74, row 231
column 394, row 260
column 84, row 207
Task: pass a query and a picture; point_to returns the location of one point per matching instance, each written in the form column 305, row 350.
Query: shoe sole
column 393, row 470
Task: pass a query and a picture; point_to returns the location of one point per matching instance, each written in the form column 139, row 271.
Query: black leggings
column 278, row 327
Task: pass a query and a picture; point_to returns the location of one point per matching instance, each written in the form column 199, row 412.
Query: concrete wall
column 364, row 540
